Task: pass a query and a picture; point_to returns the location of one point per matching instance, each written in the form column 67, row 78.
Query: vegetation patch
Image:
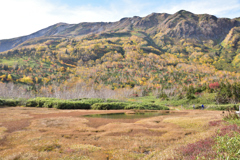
column 92, row 103
column 223, row 107
column 188, row 123
column 9, row 102
column 2, row 130
column 47, row 148
column 90, row 148
column 224, row 144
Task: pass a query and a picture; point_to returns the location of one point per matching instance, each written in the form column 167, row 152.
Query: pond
column 127, row 115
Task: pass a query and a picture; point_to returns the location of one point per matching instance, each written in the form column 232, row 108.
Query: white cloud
column 114, row 12
column 22, row 17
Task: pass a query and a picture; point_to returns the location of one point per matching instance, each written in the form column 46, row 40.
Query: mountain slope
column 49, row 31
column 159, row 51
column 182, row 24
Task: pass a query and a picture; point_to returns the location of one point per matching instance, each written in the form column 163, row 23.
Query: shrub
column 214, row 85
column 224, row 144
column 198, row 107
column 178, row 102
column 228, row 146
column 61, row 104
column 215, row 123
column 47, row 148
column 151, row 106
column 93, row 100
column 9, row 102
column 113, row 100
column 77, row 99
column 2, row 102
column 223, row 107
column 31, row 103
column 38, row 102
column 127, row 105
column 108, row 106
column 82, row 105
column 134, row 106
column 202, row 148
column 48, row 104
column 91, row 103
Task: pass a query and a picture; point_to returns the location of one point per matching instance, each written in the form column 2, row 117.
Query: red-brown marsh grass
column 40, row 133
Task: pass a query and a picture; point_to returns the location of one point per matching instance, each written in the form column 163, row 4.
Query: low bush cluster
column 9, row 102
column 109, row 105
column 128, row 105
column 202, row 148
column 225, row 144
column 91, row 103
column 39, row 101
column 228, row 146
column 71, row 105
column 60, row 104
column 223, row 107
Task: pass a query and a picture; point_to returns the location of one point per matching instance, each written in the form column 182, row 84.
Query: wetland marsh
column 44, row 133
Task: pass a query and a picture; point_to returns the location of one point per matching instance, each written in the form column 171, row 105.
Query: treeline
column 224, row 92
column 79, row 90
column 108, row 65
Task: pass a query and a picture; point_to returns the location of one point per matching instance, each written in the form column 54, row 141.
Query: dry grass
column 39, row 133
column 196, row 123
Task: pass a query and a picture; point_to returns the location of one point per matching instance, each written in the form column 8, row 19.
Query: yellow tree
column 9, row 77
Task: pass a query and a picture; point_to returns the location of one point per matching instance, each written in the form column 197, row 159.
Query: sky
column 23, row 17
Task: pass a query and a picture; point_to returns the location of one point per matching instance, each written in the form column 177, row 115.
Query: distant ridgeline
column 159, row 53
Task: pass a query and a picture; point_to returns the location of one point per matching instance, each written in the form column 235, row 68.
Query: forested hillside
column 162, row 54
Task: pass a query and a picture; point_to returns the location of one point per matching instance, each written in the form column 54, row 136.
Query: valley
column 171, row 83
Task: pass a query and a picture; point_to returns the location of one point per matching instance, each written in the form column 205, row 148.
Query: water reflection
column 127, row 115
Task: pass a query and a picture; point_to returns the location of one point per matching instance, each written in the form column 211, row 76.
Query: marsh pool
column 126, row 115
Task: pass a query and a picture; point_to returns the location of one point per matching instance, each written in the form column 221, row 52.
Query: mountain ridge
column 182, row 24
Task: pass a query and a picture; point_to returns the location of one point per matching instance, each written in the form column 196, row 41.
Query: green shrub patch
column 91, row 103
column 38, row 102
column 64, row 104
column 9, row 102
column 109, row 106
column 223, row 107
column 127, row 105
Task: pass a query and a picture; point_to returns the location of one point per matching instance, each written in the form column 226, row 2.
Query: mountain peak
column 182, row 12
column 182, row 24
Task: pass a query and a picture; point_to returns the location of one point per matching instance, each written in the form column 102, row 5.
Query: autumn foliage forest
column 119, row 65
column 127, row 62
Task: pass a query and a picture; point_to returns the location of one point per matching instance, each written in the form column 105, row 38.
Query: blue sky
column 23, row 17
